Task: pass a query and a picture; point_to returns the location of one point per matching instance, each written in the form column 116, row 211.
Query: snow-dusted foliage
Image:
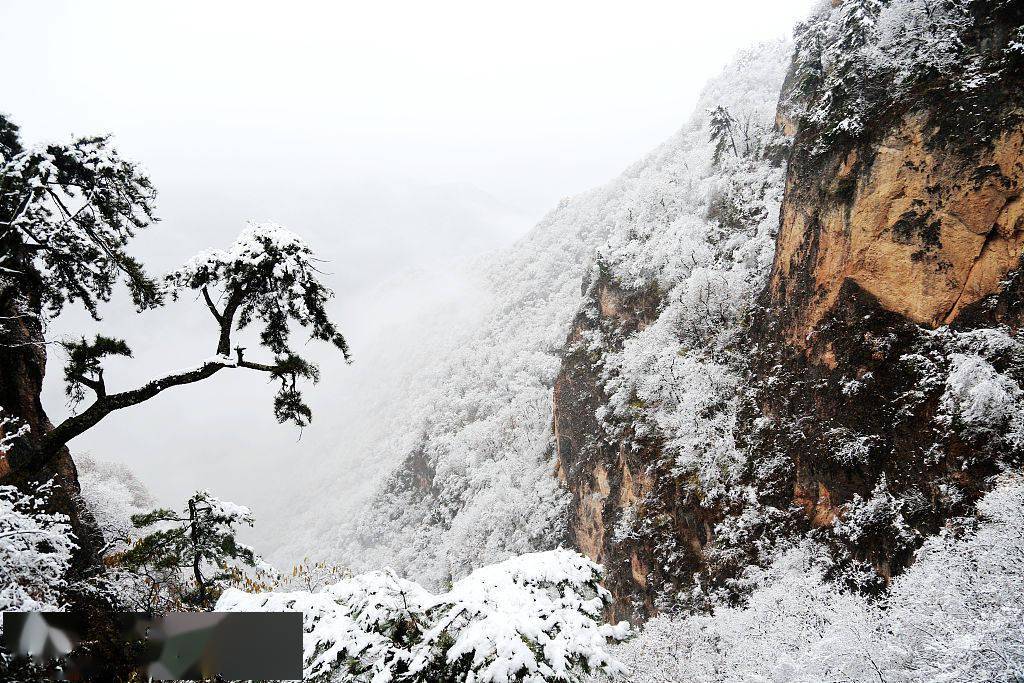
column 35, row 551
column 310, row 576
column 476, row 486
column 703, row 238
column 530, row 619
column 856, row 58
column 956, row 615
column 69, row 210
column 11, row 429
column 967, row 383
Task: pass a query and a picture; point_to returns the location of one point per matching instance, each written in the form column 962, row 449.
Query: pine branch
column 105, row 404
column 212, row 306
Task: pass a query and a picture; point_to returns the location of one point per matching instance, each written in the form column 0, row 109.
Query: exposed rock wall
column 896, row 284
column 607, row 477
column 925, row 228
column 899, row 245
column 654, row 344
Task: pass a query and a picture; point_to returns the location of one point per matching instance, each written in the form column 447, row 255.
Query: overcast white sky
column 527, row 100
column 388, row 133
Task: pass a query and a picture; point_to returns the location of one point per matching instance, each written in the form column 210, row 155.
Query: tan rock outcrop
column 924, row 228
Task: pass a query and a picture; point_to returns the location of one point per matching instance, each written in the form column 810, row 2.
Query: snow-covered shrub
column 880, row 521
column 529, row 619
column 361, row 629
column 310, row 576
column 979, row 375
column 882, row 514
column 35, row 551
column 981, row 399
column 957, row 614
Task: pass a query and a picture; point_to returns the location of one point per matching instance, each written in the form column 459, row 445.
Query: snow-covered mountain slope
column 954, row 616
column 472, row 415
column 647, row 402
column 734, row 414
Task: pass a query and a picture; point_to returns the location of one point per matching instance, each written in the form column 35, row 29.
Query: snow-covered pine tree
column 67, row 213
column 722, row 135
column 200, row 541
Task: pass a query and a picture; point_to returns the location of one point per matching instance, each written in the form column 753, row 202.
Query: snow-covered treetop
column 268, row 276
column 531, row 619
column 214, row 516
column 273, row 273
column 67, row 211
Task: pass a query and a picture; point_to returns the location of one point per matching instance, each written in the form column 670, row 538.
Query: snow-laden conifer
column 200, row 541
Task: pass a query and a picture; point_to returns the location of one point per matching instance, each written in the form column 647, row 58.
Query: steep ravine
column 875, row 353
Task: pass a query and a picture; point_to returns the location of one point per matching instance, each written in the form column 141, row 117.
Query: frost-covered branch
column 107, row 403
column 11, row 429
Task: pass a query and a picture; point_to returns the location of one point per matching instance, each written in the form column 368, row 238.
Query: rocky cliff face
column 878, row 373
column 927, row 227
column 609, row 479
column 897, row 259
column 646, row 400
